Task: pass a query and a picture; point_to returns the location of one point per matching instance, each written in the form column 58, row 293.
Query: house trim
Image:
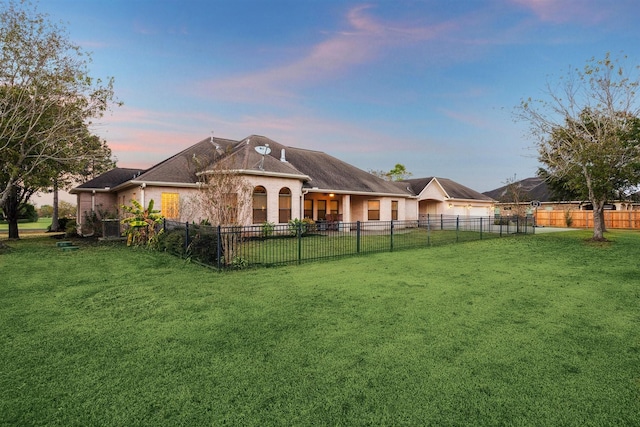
column 358, row 193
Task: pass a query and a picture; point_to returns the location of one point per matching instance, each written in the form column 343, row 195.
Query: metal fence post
column 391, row 237
column 299, row 235
column 358, row 237
column 457, row 228
column 219, row 247
column 186, row 236
column 428, row 231
column 480, row 228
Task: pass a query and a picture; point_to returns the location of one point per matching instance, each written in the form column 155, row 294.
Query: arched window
column 284, row 205
column 259, row 205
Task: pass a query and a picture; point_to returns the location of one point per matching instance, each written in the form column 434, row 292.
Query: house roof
column 183, row 167
column 109, row 179
column 243, row 157
column 534, row 188
column 318, row 171
column 453, row 189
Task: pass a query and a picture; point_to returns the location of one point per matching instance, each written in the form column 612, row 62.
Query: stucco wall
column 407, row 208
column 99, row 202
column 273, row 185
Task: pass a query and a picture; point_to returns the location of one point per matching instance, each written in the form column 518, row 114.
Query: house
column 523, row 193
column 442, row 196
column 285, row 183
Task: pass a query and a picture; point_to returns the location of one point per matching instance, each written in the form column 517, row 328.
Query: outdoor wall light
column 450, row 205
column 331, row 194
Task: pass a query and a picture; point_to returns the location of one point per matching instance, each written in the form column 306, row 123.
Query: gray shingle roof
column 315, row 168
column 325, row 172
column 453, row 189
column 110, row 179
column 243, row 156
column 182, row 167
column 534, row 188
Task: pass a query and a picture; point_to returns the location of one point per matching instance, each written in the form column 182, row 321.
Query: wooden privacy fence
column 584, row 219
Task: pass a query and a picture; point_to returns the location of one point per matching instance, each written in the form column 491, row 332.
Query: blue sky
column 429, row 84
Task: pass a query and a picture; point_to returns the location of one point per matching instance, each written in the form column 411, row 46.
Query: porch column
column 346, row 208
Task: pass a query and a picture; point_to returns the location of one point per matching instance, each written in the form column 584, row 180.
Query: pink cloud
column 361, row 43
column 142, row 138
column 558, row 12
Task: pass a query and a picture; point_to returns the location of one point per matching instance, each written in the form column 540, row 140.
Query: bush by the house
column 203, row 244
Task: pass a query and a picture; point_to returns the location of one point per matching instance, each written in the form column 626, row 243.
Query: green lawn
column 41, row 224
column 536, row 330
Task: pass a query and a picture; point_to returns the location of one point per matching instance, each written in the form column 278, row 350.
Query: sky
column 430, row 84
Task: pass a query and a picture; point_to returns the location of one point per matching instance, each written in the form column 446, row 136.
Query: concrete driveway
column 540, row 230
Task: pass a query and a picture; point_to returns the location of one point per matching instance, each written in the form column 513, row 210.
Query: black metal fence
column 225, row 247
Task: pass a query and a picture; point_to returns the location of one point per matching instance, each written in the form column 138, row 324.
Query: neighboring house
column 535, row 189
column 286, row 182
column 442, row 196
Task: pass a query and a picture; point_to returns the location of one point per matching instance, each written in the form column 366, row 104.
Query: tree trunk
column 10, row 209
column 55, row 224
column 598, row 221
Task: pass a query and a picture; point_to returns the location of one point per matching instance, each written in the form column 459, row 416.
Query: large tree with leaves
column 586, row 132
column 96, row 159
column 47, row 100
column 398, row 173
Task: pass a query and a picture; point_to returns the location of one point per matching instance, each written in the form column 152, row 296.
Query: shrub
column 171, row 241
column 203, row 243
column 203, row 247
column 267, row 229
column 568, row 219
column 28, row 212
column 295, row 224
column 70, row 228
column 310, row 225
column 503, row 220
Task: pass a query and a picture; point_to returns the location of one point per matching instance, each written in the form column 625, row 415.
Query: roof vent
column 283, row 158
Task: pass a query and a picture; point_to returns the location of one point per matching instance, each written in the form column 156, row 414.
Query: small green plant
column 297, row 224
column 267, row 229
column 141, row 224
column 568, row 219
column 310, row 225
column 71, row 228
column 239, row 263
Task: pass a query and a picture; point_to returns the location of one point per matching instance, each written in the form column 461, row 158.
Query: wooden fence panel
column 584, row 219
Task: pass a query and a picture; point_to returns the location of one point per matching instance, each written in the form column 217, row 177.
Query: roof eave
column 360, row 193
column 458, row 199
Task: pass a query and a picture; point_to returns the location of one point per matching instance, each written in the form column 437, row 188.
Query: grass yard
column 537, row 330
column 41, row 224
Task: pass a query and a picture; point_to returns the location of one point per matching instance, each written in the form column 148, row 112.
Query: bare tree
column 515, row 194
column 586, row 132
column 224, row 199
